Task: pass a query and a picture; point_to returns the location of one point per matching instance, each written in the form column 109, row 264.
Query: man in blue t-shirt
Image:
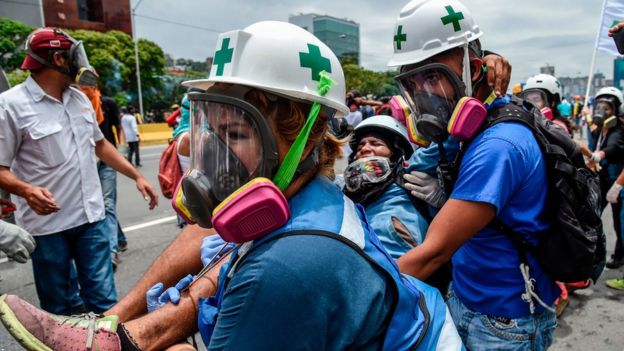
column 502, row 176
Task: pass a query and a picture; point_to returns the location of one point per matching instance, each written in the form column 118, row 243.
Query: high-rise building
column 98, row 15
column 341, row 35
column 618, row 72
column 548, row 69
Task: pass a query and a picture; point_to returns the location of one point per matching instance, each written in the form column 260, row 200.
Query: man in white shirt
column 49, row 139
column 130, row 128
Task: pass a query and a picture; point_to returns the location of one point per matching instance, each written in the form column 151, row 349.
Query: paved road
column 593, row 321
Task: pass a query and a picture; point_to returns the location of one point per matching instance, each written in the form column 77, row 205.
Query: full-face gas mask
column 368, row 177
column 232, row 183
column 79, row 68
column 603, row 113
column 540, row 99
column 440, row 103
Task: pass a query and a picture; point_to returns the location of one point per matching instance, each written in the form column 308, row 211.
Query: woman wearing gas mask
column 261, row 155
column 606, row 155
column 374, row 179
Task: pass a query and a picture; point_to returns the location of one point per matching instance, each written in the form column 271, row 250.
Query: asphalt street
column 593, row 320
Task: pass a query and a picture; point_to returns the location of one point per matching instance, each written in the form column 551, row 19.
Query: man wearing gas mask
column 502, row 175
column 49, row 140
column 606, row 155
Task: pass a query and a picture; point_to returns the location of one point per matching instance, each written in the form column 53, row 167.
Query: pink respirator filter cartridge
column 467, row 118
column 256, row 209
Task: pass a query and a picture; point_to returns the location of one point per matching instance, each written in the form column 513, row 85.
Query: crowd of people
column 463, row 220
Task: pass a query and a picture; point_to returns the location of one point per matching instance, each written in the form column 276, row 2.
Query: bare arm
column 107, row 153
column 174, row 323
column 456, row 222
column 180, row 258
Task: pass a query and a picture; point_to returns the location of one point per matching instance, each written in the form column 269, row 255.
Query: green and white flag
column 613, row 14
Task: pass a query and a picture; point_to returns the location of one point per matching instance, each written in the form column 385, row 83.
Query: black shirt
column 111, row 119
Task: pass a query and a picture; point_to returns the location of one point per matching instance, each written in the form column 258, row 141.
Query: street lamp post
column 136, row 58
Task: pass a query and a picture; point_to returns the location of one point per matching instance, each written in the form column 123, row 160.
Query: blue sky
column 530, row 33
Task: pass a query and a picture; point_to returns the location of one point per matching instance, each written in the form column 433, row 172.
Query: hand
column 156, row 299
column 616, row 28
column 596, row 156
column 210, row 247
column 147, row 190
column 614, row 193
column 41, row 200
column 498, row 73
column 425, row 187
column 17, row 243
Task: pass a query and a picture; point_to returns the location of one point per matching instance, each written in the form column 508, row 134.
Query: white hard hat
column 545, row 82
column 614, row 93
column 611, row 91
column 426, row 28
column 277, row 57
column 385, row 125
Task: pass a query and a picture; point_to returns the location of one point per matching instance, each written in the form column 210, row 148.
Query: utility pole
column 136, row 59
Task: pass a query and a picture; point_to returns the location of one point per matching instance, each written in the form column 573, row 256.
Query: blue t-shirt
column 504, row 167
column 304, row 293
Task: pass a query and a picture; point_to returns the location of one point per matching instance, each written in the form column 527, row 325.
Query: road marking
column 149, row 224
column 127, row 229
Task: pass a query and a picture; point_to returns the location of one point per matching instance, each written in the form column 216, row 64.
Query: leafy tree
column 12, row 37
column 370, row 82
column 112, row 55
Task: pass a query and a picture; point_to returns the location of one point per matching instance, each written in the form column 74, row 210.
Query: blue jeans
column 483, row 332
column 108, row 180
column 88, row 246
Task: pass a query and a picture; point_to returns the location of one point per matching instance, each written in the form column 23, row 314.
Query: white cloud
column 528, row 33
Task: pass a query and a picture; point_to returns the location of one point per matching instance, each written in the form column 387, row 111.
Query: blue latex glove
column 156, row 298
column 151, row 297
column 210, row 246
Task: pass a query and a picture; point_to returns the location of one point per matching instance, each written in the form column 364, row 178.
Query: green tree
column 12, row 37
column 370, row 82
column 112, row 55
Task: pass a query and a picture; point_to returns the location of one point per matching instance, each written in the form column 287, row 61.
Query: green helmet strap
column 289, row 166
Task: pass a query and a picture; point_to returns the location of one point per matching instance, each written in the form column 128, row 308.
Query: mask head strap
column 286, row 172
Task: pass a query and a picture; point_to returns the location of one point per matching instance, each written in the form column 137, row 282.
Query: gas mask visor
column 231, row 144
column 367, row 172
column 431, row 91
column 84, row 73
column 537, row 97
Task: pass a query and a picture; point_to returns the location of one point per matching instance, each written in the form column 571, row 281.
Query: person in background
column 112, row 131
column 131, row 131
column 50, row 140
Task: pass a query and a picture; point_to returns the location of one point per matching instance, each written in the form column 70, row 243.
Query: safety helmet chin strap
column 46, row 63
column 467, row 77
column 289, row 166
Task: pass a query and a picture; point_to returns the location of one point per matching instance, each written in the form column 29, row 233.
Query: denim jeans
column 108, row 180
column 133, row 148
column 483, row 332
column 88, row 246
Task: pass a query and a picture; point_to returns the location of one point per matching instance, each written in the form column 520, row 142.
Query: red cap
column 41, row 39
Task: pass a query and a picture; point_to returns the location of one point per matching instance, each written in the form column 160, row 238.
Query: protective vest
column 420, row 319
column 395, row 203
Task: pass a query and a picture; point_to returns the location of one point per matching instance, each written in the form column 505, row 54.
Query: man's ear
column 58, row 59
column 476, row 68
